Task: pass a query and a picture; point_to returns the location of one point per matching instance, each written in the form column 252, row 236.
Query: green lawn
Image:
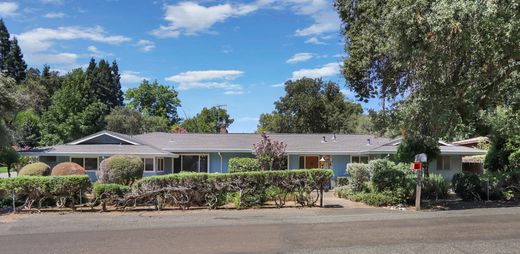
column 3, row 169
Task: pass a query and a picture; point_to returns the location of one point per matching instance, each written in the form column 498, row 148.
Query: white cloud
column 300, row 57
column 132, row 77
column 8, row 9
column 41, row 39
column 146, row 45
column 209, row 79
column 327, row 70
column 314, row 40
column 95, row 52
column 235, row 92
column 278, row 85
column 190, row 18
column 59, row 58
column 54, row 15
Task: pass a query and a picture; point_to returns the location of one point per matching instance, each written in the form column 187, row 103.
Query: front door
column 312, row 162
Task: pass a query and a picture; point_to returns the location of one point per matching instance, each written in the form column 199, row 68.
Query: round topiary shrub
column 68, row 168
column 120, row 169
column 35, row 169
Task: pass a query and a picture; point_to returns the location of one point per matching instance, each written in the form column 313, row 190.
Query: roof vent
column 324, row 140
column 334, row 138
column 369, row 143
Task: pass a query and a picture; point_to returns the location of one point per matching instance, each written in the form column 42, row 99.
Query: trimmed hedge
column 35, row 169
column 68, row 168
column 109, row 193
column 238, row 164
column 63, row 189
column 247, row 188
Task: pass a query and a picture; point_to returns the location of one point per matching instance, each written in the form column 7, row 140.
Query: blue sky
column 237, row 53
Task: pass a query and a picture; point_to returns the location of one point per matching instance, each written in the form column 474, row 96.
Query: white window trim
column 367, row 156
column 163, row 164
column 144, row 164
column 83, row 157
column 195, row 154
column 443, row 167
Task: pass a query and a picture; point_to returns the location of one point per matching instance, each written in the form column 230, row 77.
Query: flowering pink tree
column 270, row 153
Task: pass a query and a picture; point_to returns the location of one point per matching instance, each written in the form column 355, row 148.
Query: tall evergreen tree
column 5, row 45
column 116, row 88
column 15, row 65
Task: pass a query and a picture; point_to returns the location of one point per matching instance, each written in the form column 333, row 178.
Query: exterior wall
column 59, row 159
column 214, row 161
column 455, row 164
column 339, row 165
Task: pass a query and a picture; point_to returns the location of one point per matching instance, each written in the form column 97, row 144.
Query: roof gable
column 106, row 138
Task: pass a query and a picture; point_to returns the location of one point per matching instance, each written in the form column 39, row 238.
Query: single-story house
column 165, row 153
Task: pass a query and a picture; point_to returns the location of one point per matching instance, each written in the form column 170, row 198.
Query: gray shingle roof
column 165, row 144
column 100, row 149
column 296, row 143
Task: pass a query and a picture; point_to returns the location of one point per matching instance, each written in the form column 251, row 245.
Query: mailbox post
column 417, row 166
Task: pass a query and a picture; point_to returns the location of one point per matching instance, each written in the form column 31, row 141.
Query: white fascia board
column 97, row 153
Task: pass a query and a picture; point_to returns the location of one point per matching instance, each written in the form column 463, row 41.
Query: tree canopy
column 207, row 120
column 311, row 106
column 154, row 99
column 442, row 61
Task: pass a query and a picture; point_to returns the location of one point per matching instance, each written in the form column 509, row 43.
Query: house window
column 160, row 164
column 148, row 164
column 307, row 162
column 194, row 163
column 443, row 163
column 359, row 159
column 177, row 165
column 87, row 163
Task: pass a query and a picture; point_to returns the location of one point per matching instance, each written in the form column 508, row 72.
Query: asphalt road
column 290, row 230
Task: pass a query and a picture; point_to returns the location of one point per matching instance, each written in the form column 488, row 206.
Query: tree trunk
column 8, row 170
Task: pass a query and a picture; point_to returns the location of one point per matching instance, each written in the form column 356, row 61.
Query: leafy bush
column 388, row 180
column 120, row 169
column 243, row 165
column 277, row 194
column 371, row 198
column 358, row 176
column 35, row 169
column 375, row 166
column 67, row 168
column 502, row 184
column 467, row 186
column 341, row 181
column 435, row 187
column 38, row 188
column 109, row 192
column 247, row 188
column 514, row 160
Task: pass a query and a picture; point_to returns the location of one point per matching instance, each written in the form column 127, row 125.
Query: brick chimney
column 222, row 126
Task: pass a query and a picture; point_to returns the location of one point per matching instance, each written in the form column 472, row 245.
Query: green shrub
column 358, row 176
column 341, row 181
column 120, row 169
column 467, row 186
column 388, row 180
column 243, row 165
column 247, row 188
column 375, row 166
column 435, row 187
column 109, row 192
column 514, row 160
column 38, row 188
column 35, row 169
column 277, row 194
column 503, row 185
column 68, row 168
column 372, row 198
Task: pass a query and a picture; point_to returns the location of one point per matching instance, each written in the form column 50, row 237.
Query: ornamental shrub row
column 244, row 189
column 36, row 189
